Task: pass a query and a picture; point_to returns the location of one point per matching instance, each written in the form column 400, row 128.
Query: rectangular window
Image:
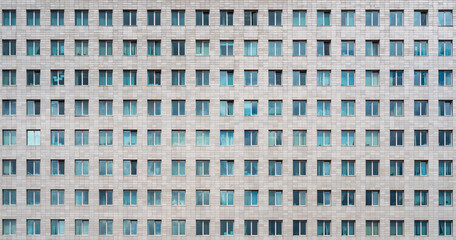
column 396, row 137
column 33, row 227
column 348, row 17
column 57, row 227
column 372, row 167
column 81, row 47
column 421, row 167
column 250, row 137
column 226, row 17
column 323, row 48
column 299, row 227
column 33, row 137
column 445, row 137
column 372, row 228
column 129, row 47
column 445, row 77
column 347, row 78
column 9, row 167
column 250, row 48
column 202, row 197
column 226, row 78
column 348, row 48
column 396, row 48
column 275, row 168
column 372, row 197
column 129, row 107
column 299, row 47
column 396, row 17
column 153, row 167
column 105, row 17
column 251, row 168
column 154, row 137
column 202, row 167
column 57, row 107
column 251, row 227
column 105, row 227
column 154, row 197
column 421, row 228
column 57, row 47
column 81, row 17
column 57, row 167
column 445, row 227
column 178, row 107
column 226, row 167
column 226, row 107
column 33, row 197
column 129, row 78
column 396, row 108
column 323, row 108
column 348, row 168
column 129, row 17
column 396, row 228
column 153, row 17
column 275, row 18
column 299, row 137
column 275, row 197
column 299, row 197
column 226, row 227
column 33, row 167
column 153, row 47
column 105, row 47
column 202, row 138
column 372, row 48
column 9, row 17
column 420, row 78
column 421, row 138
column 129, row 137
column 9, row 227
column 105, row 168
column 130, row 227
column 178, row 167
column 275, row 78
column 202, row 47
column 81, row 227
column 445, row 47
column 81, row 197
column 130, row 197
column 250, row 17
column 445, row 167
column 299, row 17
column 347, row 108
column 81, row 107
column 226, row 137
column 178, row 77
column 396, row 167
column 33, row 17
column 250, row 77
column 299, row 77
column 323, row 78
column 372, row 107
column 275, row 227
column 372, row 17
column 58, row 77
column 9, row 107
column 202, row 227
column 250, row 108
column 202, row 17
column 445, row 18
column 323, row 227
column 202, row 78
column 33, row 47
column 9, row 137
column 9, row 77
column 396, row 77
column 275, row 48
column 445, row 197
column 177, row 17
column 154, row 227
column 226, row 48
column 275, row 138
column 105, row 77
column 9, row 197
column 348, row 138
column 57, row 197
column 323, row 197
column 105, row 197
column 323, row 138
column 421, row 198
column 130, row 167
column 420, row 107
column 348, row 228
column 81, row 77
column 323, row 18
column 178, row 197
column 396, row 197
column 348, row 197
column 420, row 18
column 299, row 167
column 105, row 108
column 9, row 48
column 275, row 108
column 323, row 168
column 178, row 137
column 420, row 48
column 154, row 107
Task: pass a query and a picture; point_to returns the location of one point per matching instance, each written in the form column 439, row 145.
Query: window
column 154, row 197
column 251, row 227
column 421, row 137
column 226, row 227
column 445, row 167
column 420, row 78
column 105, row 17
column 323, row 168
column 105, row 168
column 421, row 167
column 372, row 48
column 178, row 77
column 130, row 167
column 153, row 167
column 226, row 78
column 396, row 138
column 348, row 48
column 275, row 227
column 178, row 167
column 129, row 47
column 202, row 47
column 372, row 107
column 57, row 227
column 372, row 197
column 275, row 78
column 323, row 18
column 129, row 197
column 33, row 137
column 154, row 227
column 396, row 48
column 58, row 77
column 33, row 197
column 129, row 137
column 372, row 167
column 445, row 137
column 57, row 197
column 396, row 197
column 396, row 17
column 275, row 48
column 372, row 18
column 154, row 137
column 226, row 197
column 445, row 197
column 81, row 107
column 105, row 108
column 9, row 227
column 178, row 137
column 202, row 167
column 323, row 108
column 9, row 107
column 445, row 48
column 33, row 227
column 202, row 17
column 348, row 138
column 323, row 78
column 226, row 48
column 420, row 48
column 178, row 107
column 323, row 48
column 81, row 227
column 9, row 137
column 202, row 197
column 9, row 48
column 396, row 167
column 9, row 77
column 9, row 197
column 250, row 17
column 226, row 17
column 250, row 137
column 299, row 197
column 129, row 17
column 323, row 138
column 33, row 17
column 420, row 18
column 105, row 227
column 9, row 17
column 250, row 48
column 251, row 197
column 81, row 197
column 57, row 167
column 275, row 108
column 81, row 77
column 9, row 167
column 105, row 48
column 177, row 17
column 275, row 168
column 299, row 77
column 299, row 19
column 396, row 108
column 445, row 227
column 275, row 138
column 323, row 197
column 154, row 107
column 299, row 167
column 421, row 227
column 348, row 108
column 251, row 168
column 57, row 107
column 202, row 227
column 57, row 17
column 323, row 227
column 250, row 108
column 420, row 108
column 299, row 137
column 445, row 18
column 153, row 17
column 226, row 167
column 275, row 197
column 33, row 47
column 348, row 78
column 202, row 138
column 105, row 77
column 445, row 77
column 129, row 78
column 348, row 17
column 33, row 167
column 372, row 228
column 348, row 168
column 129, row 108
column 226, row 107
column 396, row 228
column 348, row 228
column 395, row 77
column 81, row 47
column 81, row 17
column 348, row 197
column 275, row 18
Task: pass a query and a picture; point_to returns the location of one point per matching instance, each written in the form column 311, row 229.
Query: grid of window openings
column 171, row 124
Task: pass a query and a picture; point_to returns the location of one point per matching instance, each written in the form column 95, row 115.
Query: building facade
column 233, row 119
